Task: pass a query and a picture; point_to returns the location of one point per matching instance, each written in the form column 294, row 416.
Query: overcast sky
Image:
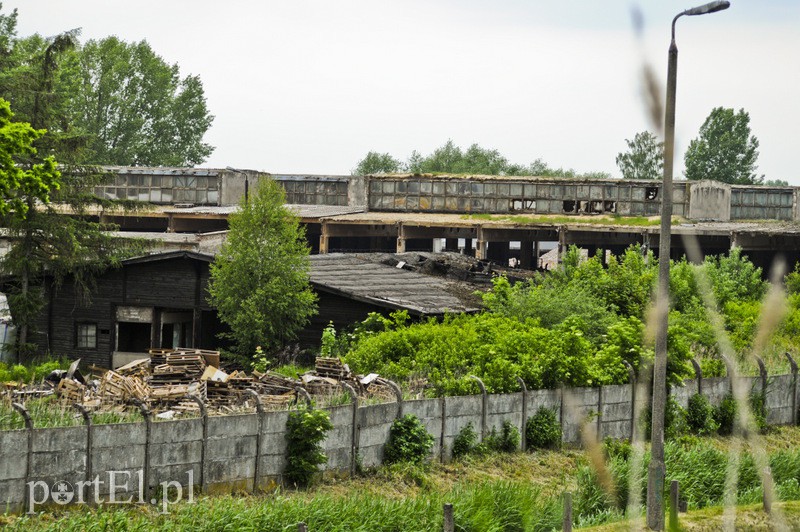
column 302, row 86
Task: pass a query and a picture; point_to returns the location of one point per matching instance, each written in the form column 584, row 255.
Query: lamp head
column 711, row 7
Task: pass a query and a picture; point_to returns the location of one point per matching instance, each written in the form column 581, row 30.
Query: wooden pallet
column 70, row 390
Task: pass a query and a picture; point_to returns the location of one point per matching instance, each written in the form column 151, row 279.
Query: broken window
column 650, row 193
column 522, row 205
column 610, row 206
column 569, row 206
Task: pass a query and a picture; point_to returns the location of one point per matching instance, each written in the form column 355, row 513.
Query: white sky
column 305, row 86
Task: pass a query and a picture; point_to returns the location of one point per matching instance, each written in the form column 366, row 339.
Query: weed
column 543, row 431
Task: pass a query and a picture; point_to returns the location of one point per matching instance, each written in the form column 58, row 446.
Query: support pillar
column 562, row 244
column 480, row 249
column 537, row 255
column 323, row 239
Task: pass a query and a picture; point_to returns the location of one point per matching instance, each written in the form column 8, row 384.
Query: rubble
column 165, row 380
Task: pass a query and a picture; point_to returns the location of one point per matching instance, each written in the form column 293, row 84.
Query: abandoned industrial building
column 159, row 300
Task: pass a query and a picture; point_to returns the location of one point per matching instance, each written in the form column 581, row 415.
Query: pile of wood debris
column 166, row 380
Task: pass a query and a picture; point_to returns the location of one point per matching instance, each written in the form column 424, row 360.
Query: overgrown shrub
column 505, row 441
column 674, row 420
column 31, row 372
column 616, row 449
column 465, row 442
column 725, row 415
column 543, row 431
column 305, row 430
column 700, row 415
column 758, row 405
column 408, row 441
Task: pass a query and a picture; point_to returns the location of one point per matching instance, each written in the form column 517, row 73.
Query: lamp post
column 656, row 470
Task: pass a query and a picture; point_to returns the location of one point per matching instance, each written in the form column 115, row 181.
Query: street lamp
column 656, row 470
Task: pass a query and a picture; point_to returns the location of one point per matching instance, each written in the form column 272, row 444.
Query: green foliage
column 700, row 415
column 543, row 431
column 408, row 441
column 377, row 163
column 465, row 442
column 644, row 158
column 505, row 441
column 21, row 185
column 758, row 407
column 259, row 279
column 32, row 372
column 105, row 102
column 328, row 344
column 675, row 424
column 305, row 430
column 451, row 159
column 734, row 278
column 725, row 415
column 725, row 150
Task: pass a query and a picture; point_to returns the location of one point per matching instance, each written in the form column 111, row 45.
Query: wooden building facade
column 154, row 300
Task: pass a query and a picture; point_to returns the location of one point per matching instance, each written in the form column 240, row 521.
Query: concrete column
column 480, row 250
column 735, row 240
column 536, row 255
column 401, row 239
column 562, row 243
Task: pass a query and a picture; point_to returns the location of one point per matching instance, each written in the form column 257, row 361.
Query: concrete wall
column 709, row 200
column 238, row 453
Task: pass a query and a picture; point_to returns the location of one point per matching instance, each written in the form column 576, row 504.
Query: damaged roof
column 393, row 287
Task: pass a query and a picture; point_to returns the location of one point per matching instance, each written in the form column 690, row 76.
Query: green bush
column 505, row 441
column 305, row 431
column 408, row 441
column 758, row 405
column 725, row 415
column 31, row 372
column 700, row 415
column 465, row 442
column 543, row 430
column 674, row 420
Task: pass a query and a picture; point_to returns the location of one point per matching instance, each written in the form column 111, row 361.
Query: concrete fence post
column 29, row 456
column 698, row 374
column 566, row 525
column 302, row 392
column 354, row 428
column 674, row 505
column 599, row 413
column 204, row 419
column 260, row 413
column 762, row 372
column 484, row 406
column 87, row 419
column 731, row 373
column 442, row 429
column 632, row 381
column 768, row 488
column 449, row 524
column 398, row 393
column 561, row 411
column 146, row 415
column 793, row 365
column 523, row 438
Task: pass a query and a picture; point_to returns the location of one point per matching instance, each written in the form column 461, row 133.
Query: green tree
column 21, row 188
column 107, row 102
column 259, row 280
column 377, row 163
column 644, row 158
column 725, row 150
column 138, row 108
